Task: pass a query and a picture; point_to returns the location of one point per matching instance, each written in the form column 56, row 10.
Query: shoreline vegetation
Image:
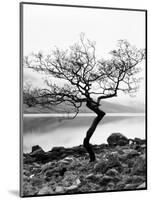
column 120, row 165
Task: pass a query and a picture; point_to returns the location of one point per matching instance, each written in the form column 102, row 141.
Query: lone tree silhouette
column 86, row 79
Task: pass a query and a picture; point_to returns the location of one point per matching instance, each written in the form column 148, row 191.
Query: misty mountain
column 108, row 107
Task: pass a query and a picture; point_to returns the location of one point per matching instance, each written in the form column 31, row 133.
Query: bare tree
column 86, row 79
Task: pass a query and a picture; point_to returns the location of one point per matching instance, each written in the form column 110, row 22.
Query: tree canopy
column 86, row 78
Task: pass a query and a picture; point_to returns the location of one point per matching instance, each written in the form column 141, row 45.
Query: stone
column 134, row 179
column 131, row 186
column 94, row 177
column 105, row 180
column 117, row 139
column 139, row 141
column 66, row 160
column 101, row 166
column 36, row 148
column 45, row 190
column 29, row 190
column 26, row 178
column 77, row 182
column 142, row 186
column 59, row 189
column 26, row 172
column 120, row 185
column 28, row 159
column 71, row 188
column 47, row 166
column 113, row 160
column 107, row 162
column 139, row 166
column 35, row 181
column 51, row 172
column 112, row 172
column 130, row 153
column 58, row 149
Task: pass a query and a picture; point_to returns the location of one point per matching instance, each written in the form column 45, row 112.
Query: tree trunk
column 86, row 144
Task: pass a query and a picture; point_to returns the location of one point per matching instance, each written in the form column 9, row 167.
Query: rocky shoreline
column 120, row 165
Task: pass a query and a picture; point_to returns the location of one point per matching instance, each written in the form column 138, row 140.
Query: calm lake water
column 49, row 131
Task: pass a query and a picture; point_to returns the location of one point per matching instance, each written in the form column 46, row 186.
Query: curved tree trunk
column 86, row 144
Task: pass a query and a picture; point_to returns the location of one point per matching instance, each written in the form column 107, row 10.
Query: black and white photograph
column 83, row 99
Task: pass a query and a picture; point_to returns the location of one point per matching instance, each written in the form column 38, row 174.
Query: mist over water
column 60, row 131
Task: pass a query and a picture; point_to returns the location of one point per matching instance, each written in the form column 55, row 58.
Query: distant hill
column 108, row 107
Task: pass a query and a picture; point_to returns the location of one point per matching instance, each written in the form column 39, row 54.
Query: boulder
column 38, row 153
column 108, row 162
column 130, row 153
column 71, row 188
column 112, row 172
column 134, row 179
column 120, row 185
column 45, row 190
column 35, row 181
column 59, row 149
column 28, row 159
column 94, row 177
column 117, row 139
column 36, row 147
column 142, row 186
column 139, row 141
column 139, row 166
column 105, row 180
column 101, row 166
column 131, row 186
column 59, row 189
column 29, row 190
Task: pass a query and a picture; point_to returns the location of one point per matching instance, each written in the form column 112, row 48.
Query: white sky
column 49, row 26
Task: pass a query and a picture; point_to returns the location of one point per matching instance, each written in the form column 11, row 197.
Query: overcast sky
column 48, row 26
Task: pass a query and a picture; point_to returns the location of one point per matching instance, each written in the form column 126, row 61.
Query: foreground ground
column 118, row 166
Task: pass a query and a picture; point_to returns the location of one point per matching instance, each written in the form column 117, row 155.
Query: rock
column 80, row 150
column 38, row 154
column 47, row 166
column 130, row 153
column 45, row 190
column 105, row 180
column 94, row 178
column 143, row 146
column 139, row 141
column 139, row 166
column 134, row 179
column 131, row 186
column 71, row 188
column 35, row 181
column 66, row 160
column 113, row 160
column 58, row 149
column 107, row 162
column 112, row 172
column 117, row 139
column 29, row 190
column 28, row 159
column 36, row 148
column 36, row 170
column 103, row 146
column 26, row 172
column 110, row 186
column 51, row 172
column 142, row 186
column 101, row 166
column 59, row 189
column 77, row 182
column 120, row 185
column 26, row 178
